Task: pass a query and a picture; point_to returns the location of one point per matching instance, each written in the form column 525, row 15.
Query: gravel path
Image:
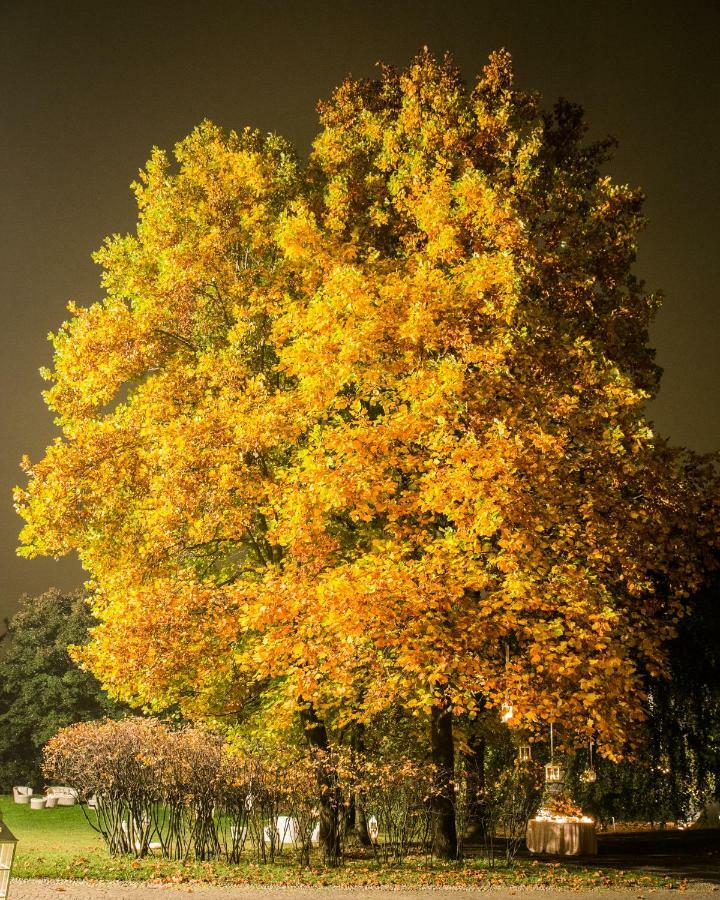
column 36, row 889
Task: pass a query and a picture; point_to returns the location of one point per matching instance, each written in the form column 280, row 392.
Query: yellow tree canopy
column 351, row 431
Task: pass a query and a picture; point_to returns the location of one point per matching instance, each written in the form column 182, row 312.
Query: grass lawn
column 48, row 831
column 59, row 843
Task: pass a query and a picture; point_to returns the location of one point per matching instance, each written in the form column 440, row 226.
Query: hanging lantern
column 554, row 772
column 506, row 710
column 7, row 854
column 524, row 752
column 589, row 774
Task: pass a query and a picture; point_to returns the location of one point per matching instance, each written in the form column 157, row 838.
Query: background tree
column 684, row 715
column 370, row 431
column 41, row 689
column 678, row 772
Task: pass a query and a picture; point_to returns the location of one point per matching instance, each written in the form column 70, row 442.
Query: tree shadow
column 693, row 855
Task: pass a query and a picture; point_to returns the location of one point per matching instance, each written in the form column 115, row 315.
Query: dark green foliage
column 685, row 714
column 41, row 688
column 678, row 771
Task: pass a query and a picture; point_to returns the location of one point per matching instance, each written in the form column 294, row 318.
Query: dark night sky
column 87, row 88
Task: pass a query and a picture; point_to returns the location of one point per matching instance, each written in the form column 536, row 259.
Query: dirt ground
column 34, row 889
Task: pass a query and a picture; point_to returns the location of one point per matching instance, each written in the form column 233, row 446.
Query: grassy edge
column 59, row 844
column 354, row 873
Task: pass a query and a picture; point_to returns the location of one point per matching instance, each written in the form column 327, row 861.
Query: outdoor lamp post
column 8, row 842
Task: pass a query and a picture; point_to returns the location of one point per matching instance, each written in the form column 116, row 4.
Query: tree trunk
column 330, row 800
column 476, row 789
column 443, row 800
column 359, row 824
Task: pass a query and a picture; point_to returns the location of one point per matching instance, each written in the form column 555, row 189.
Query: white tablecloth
column 561, row 838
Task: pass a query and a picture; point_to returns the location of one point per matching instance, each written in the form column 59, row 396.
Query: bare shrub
column 183, row 793
column 396, row 796
column 114, row 762
column 509, row 799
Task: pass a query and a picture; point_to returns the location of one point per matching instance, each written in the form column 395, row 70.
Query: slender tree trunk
column 476, row 788
column 330, row 800
column 360, row 825
column 443, row 801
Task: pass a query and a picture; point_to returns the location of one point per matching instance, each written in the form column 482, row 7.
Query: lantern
column 8, row 842
column 554, row 773
column 506, row 710
column 589, row 775
column 525, row 753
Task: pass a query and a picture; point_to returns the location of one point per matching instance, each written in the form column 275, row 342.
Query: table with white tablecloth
column 561, row 838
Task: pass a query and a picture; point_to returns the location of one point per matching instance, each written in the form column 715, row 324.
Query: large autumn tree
column 369, row 430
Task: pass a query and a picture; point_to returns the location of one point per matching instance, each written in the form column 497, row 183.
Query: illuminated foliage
column 342, row 433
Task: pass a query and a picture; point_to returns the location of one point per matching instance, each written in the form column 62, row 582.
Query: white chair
column 286, row 833
column 66, row 796
column 238, row 834
column 285, row 829
column 373, row 829
column 22, row 794
column 152, row 845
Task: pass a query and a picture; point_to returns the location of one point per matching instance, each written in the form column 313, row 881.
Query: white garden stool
column 37, row 803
